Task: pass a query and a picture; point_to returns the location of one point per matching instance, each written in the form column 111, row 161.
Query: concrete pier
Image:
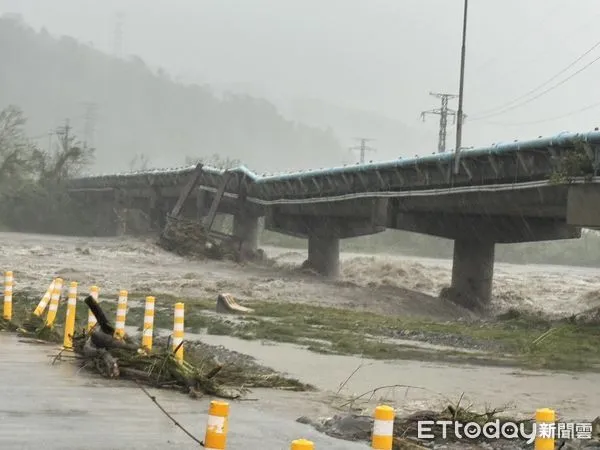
column 324, row 255
column 472, row 273
column 245, row 227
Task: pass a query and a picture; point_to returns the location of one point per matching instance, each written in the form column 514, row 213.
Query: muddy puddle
column 423, row 385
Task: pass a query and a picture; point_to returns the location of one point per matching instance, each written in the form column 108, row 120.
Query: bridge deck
column 501, row 164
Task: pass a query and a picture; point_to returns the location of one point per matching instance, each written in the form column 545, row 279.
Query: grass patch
column 221, row 328
column 527, row 340
column 511, row 339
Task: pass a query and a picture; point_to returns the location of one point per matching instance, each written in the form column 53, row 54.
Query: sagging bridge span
column 542, row 189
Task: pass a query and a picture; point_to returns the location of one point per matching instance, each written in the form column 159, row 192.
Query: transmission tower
column 118, row 35
column 363, row 147
column 443, row 112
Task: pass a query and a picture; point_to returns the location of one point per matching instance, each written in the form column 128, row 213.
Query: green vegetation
column 511, row 339
column 32, row 194
column 576, row 163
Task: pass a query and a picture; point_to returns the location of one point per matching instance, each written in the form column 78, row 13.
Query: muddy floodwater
column 380, row 283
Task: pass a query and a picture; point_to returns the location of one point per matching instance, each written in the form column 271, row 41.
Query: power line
column 502, row 106
column 549, row 119
column 545, row 91
column 536, row 57
column 529, row 31
column 443, row 112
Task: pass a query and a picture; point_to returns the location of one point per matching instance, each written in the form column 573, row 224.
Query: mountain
column 124, row 109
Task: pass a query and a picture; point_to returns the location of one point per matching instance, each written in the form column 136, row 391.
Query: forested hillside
column 142, row 112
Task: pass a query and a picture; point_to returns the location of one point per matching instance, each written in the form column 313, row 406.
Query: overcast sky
column 377, row 55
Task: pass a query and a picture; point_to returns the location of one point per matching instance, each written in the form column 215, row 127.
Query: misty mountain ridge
column 391, row 137
column 123, row 109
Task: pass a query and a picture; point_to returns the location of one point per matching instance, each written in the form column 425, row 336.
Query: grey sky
column 376, row 55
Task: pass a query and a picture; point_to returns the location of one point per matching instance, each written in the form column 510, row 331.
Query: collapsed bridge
column 537, row 190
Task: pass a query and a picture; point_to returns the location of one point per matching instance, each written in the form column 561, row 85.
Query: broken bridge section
column 543, row 189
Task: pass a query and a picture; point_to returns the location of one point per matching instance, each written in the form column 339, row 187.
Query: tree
column 16, row 151
column 32, row 195
column 66, row 159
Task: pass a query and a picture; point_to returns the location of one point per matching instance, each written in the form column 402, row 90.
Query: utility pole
column 63, row 132
column 89, row 124
column 363, row 147
column 50, row 134
column 459, row 122
column 443, row 112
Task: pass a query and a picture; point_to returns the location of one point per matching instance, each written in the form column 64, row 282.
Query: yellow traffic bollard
column 383, row 428
column 121, row 314
column 70, row 317
column 95, row 293
column 8, row 294
column 302, row 444
column 54, row 299
column 41, row 307
column 148, row 323
column 178, row 331
column 544, row 439
column 217, row 426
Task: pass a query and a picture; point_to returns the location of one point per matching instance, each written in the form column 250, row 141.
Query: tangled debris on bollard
column 114, row 357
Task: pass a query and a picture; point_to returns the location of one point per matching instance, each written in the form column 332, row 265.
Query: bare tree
column 139, row 162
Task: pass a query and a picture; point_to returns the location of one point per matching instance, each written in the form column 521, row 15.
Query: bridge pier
column 245, row 227
column 324, row 254
column 472, row 273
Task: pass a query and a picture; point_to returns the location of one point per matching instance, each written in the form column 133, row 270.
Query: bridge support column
column 158, row 208
column 472, row 273
column 245, row 227
column 324, row 254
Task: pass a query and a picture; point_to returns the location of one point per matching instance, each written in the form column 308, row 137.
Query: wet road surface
column 54, row 407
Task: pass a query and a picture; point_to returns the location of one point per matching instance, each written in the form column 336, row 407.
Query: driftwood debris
column 190, row 238
column 113, row 357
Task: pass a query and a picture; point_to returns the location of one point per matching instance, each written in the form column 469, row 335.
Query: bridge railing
column 506, row 163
